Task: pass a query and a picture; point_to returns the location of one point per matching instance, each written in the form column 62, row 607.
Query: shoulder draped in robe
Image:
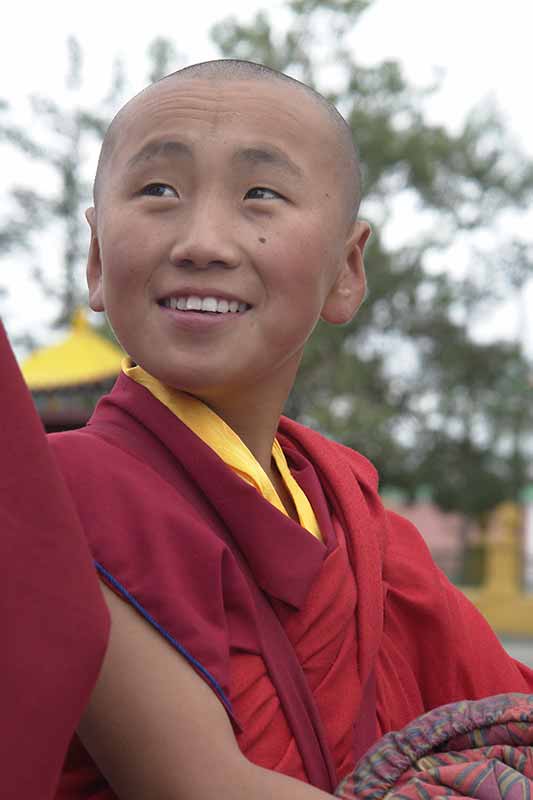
column 170, row 527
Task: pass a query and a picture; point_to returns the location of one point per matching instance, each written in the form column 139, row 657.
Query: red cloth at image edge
column 53, row 618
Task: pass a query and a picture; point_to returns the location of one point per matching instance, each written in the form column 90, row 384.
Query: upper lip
column 188, row 291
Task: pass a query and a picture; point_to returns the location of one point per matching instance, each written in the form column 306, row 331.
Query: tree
column 64, row 137
column 406, row 382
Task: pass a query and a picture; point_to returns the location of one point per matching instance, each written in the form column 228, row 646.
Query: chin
column 195, row 384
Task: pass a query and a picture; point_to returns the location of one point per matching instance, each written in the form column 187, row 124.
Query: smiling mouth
column 213, row 305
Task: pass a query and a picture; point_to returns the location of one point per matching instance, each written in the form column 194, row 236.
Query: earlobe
column 349, row 289
column 94, row 265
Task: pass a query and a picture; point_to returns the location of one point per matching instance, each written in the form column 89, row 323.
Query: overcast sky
column 483, row 48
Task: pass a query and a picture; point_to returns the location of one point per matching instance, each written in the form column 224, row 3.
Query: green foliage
column 405, row 382
column 162, row 56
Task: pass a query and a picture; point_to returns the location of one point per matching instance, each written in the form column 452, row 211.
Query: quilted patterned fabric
column 479, row 749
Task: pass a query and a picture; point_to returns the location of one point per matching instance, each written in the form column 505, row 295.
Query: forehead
column 230, row 113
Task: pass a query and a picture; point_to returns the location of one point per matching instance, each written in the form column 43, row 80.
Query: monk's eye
column 261, row 193
column 159, row 190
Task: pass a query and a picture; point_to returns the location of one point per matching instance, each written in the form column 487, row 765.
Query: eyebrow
column 158, row 148
column 268, row 155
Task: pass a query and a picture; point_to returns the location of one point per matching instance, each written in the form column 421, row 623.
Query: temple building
column 68, row 378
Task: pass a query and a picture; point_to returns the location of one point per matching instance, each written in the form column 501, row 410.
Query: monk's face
column 222, row 233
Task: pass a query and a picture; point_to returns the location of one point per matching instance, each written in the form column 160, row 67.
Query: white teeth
column 209, row 304
column 194, row 303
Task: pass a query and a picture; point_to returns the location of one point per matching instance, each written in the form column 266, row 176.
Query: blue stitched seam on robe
column 196, row 664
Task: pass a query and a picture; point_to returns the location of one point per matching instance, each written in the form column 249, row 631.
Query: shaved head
column 235, row 70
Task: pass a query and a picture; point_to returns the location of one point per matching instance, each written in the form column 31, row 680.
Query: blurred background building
column 67, row 379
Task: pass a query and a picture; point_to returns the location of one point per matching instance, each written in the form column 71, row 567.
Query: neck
column 257, row 430
column 254, row 416
column 258, row 433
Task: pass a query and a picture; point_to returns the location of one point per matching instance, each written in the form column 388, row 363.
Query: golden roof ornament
column 83, row 357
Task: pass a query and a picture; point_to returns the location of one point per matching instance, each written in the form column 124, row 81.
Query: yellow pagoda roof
column 84, row 357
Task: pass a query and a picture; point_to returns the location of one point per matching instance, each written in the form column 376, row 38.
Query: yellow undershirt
column 212, row 430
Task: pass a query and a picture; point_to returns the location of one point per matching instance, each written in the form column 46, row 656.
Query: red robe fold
column 176, row 533
column 53, row 618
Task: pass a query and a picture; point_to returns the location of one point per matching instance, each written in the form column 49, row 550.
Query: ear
column 349, row 289
column 94, row 265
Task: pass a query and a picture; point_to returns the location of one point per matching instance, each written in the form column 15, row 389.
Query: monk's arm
column 156, row 730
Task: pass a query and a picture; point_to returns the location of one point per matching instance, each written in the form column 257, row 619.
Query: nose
column 206, row 237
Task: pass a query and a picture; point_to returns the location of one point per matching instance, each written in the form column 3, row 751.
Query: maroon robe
column 199, row 553
column 54, row 621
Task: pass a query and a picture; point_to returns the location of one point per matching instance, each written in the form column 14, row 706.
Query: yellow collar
column 209, row 427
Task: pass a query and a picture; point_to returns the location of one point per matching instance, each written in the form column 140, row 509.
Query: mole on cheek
column 262, row 239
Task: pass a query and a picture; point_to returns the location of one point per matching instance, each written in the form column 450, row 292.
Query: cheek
column 126, row 239
column 125, row 263
column 303, row 265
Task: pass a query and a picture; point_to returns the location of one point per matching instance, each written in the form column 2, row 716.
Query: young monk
column 268, row 618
